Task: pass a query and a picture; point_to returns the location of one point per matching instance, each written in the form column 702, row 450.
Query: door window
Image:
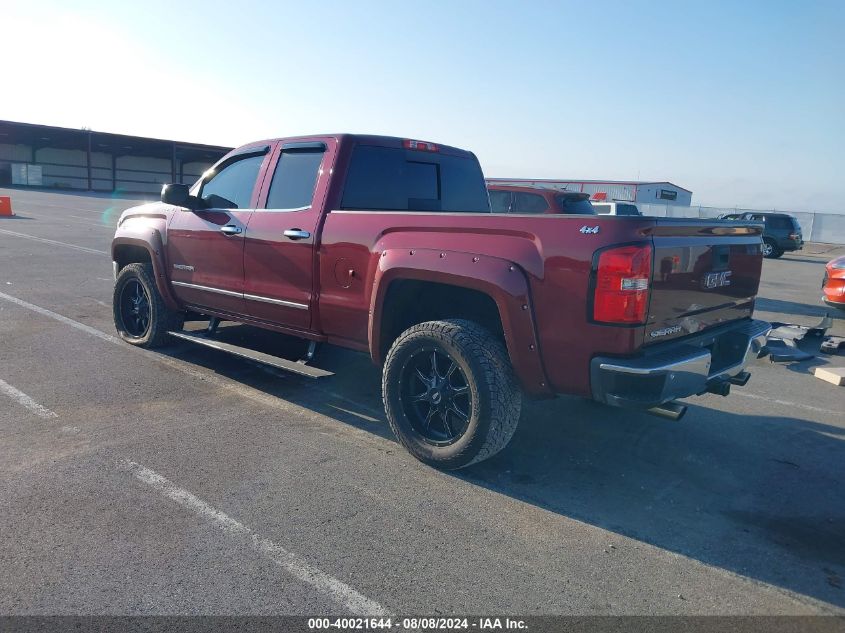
column 529, row 203
column 232, row 186
column 295, row 179
column 779, row 222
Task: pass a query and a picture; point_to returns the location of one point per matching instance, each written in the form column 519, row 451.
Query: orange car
column 833, row 285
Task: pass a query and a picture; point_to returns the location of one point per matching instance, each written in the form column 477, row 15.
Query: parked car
column 527, row 199
column 833, row 284
column 388, row 246
column 781, row 232
column 616, row 208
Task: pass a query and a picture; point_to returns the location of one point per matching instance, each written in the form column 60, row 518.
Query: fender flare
column 154, row 245
column 502, row 280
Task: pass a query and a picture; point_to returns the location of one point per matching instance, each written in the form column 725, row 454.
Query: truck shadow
column 759, row 495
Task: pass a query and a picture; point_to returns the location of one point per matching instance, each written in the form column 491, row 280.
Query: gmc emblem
column 717, row 280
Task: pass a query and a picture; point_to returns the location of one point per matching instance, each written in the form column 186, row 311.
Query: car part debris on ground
column 782, row 341
column 834, row 375
column 832, row 344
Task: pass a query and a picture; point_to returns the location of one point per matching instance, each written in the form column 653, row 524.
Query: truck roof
column 361, row 139
column 591, row 182
column 769, row 213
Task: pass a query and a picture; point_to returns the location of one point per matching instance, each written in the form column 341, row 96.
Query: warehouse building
column 64, row 158
column 646, row 192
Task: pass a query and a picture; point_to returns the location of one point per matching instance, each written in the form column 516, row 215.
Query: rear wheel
column 140, row 314
column 450, row 394
column 770, row 249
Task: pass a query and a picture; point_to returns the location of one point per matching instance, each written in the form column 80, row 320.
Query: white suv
column 616, row 208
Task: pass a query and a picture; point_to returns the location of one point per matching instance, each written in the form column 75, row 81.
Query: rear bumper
column 692, row 366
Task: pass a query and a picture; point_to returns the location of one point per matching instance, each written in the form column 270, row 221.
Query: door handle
column 297, row 234
column 231, row 229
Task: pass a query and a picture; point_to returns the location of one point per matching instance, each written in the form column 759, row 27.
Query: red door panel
column 280, row 239
column 205, row 248
column 206, row 264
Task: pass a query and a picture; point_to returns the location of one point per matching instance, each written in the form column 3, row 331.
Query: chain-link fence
column 826, row 228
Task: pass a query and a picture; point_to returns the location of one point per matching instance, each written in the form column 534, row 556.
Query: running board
column 260, row 357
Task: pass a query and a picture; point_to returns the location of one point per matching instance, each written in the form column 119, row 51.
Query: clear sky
column 743, row 102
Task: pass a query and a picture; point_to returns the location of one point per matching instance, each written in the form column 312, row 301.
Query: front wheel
column 450, row 394
column 140, row 314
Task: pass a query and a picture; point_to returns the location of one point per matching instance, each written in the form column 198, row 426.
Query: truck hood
column 158, row 210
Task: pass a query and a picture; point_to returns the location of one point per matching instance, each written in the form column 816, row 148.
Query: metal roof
column 593, row 182
column 69, row 138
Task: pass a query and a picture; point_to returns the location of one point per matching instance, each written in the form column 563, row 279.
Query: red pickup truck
column 388, row 246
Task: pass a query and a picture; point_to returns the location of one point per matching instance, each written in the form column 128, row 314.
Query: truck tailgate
column 705, row 273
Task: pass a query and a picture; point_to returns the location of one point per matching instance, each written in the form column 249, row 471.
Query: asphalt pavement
column 187, row 481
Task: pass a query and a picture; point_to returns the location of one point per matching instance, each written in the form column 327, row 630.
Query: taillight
column 623, row 279
column 423, row 146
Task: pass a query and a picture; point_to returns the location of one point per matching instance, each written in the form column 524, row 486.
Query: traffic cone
column 6, row 206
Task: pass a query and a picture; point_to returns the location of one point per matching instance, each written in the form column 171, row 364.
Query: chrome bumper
column 674, row 370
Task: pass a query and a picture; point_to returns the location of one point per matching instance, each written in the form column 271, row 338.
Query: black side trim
column 309, row 145
column 252, row 150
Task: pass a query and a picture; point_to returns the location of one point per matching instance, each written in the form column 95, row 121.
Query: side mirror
column 179, row 195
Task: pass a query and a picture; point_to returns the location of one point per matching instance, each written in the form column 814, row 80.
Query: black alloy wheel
column 435, row 396
column 135, row 308
column 450, row 393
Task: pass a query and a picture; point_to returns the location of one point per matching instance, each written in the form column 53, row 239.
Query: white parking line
column 786, row 403
column 24, row 400
column 336, row 589
column 87, row 220
column 58, row 317
column 84, row 249
column 208, row 378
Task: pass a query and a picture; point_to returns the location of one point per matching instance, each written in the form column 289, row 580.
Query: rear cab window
column 529, row 203
column 500, row 201
column 398, row 179
column 576, row 205
column 627, row 209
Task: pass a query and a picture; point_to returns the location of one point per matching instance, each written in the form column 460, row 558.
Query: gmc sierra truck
column 388, row 246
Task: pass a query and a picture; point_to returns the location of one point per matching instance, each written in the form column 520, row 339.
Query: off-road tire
column 161, row 320
column 775, row 252
column 495, row 395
